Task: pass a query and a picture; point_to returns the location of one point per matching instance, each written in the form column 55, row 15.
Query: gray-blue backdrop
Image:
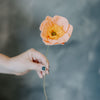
column 74, row 71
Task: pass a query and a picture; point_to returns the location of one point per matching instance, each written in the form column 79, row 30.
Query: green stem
column 44, row 88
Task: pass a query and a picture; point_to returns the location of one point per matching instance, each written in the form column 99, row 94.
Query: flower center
column 53, row 33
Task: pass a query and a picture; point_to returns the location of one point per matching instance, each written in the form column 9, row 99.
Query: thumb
column 35, row 66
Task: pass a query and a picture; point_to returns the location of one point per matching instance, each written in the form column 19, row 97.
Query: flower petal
column 61, row 21
column 61, row 40
column 56, row 24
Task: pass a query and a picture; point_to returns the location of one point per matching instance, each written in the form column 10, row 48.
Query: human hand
column 29, row 60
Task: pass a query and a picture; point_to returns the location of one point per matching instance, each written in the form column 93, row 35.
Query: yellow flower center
column 55, row 32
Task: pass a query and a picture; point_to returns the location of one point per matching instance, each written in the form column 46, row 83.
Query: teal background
column 74, row 67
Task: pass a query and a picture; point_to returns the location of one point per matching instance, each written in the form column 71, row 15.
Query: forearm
column 4, row 64
column 4, row 60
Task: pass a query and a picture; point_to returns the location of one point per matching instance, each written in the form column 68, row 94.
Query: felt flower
column 56, row 30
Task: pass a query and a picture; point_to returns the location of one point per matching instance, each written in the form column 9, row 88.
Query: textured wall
column 74, row 71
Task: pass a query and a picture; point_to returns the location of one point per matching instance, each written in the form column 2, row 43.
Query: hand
column 29, row 60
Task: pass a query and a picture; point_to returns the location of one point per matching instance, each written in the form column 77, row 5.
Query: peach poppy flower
column 56, row 30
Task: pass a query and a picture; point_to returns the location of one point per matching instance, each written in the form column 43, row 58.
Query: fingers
column 35, row 66
column 40, row 57
column 40, row 74
column 38, row 62
column 43, row 72
column 47, row 72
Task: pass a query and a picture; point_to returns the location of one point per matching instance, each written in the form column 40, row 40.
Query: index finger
column 41, row 58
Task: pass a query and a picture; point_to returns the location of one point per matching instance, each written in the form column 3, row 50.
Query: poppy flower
column 55, row 30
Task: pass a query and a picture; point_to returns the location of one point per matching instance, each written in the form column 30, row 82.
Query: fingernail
column 43, row 68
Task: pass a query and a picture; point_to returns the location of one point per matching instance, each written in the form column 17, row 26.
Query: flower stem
column 44, row 88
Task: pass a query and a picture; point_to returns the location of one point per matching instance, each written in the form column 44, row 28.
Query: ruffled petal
column 47, row 26
column 61, row 21
column 62, row 39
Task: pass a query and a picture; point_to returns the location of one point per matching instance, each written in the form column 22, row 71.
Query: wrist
column 4, row 60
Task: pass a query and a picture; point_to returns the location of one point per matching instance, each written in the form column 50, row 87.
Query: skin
column 23, row 63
